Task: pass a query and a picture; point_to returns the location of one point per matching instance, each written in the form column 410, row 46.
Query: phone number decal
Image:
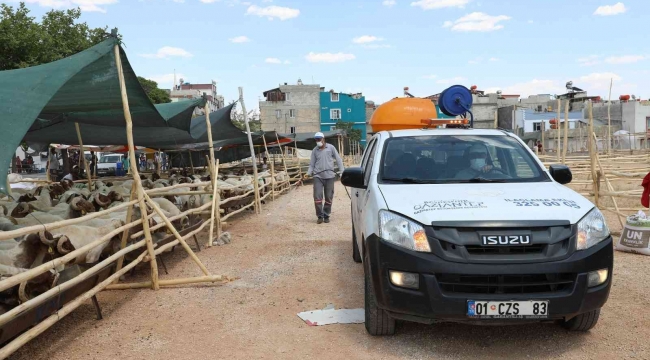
column 544, row 202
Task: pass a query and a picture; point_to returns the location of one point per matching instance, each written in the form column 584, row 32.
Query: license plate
column 507, row 309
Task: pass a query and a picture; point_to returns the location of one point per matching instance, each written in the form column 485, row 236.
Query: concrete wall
column 352, row 111
column 303, row 99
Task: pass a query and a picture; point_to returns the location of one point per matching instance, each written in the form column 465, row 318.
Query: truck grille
column 505, row 284
column 505, row 250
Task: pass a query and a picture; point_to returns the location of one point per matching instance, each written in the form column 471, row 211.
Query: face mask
column 477, row 164
column 320, row 143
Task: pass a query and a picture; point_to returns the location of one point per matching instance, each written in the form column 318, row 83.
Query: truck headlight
column 402, row 232
column 592, row 229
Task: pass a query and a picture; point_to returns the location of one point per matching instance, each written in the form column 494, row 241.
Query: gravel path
column 288, row 264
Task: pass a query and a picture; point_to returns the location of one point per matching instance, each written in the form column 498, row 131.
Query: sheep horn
column 98, row 200
column 46, row 238
column 22, row 294
column 60, row 245
column 74, row 203
column 21, row 210
column 4, row 210
column 13, row 220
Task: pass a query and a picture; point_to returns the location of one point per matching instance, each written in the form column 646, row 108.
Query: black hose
column 321, row 180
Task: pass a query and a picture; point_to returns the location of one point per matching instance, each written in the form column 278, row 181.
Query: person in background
column 19, row 165
column 53, row 165
column 321, row 167
column 73, row 175
column 265, row 166
column 539, row 147
column 93, row 163
column 126, row 164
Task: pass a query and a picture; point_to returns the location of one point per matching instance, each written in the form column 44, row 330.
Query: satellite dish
column 498, row 92
column 569, row 85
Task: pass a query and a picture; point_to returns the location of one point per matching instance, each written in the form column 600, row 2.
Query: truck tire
column 378, row 322
column 582, row 322
column 356, row 256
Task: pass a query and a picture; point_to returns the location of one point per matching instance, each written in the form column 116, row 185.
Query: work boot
column 327, row 220
column 320, row 221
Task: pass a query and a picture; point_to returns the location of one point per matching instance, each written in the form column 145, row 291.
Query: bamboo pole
column 172, row 282
column 64, row 311
column 189, row 153
column 172, row 218
column 82, row 158
column 258, row 204
column 134, row 169
column 125, row 235
column 566, row 131
column 543, row 144
column 171, row 227
column 609, row 118
column 31, row 303
column 215, row 205
column 558, row 129
column 592, row 154
column 272, row 170
column 609, row 187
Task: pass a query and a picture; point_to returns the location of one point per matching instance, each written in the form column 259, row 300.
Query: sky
column 378, row 47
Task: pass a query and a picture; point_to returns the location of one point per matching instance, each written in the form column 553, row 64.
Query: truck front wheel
column 583, row 322
column 378, row 322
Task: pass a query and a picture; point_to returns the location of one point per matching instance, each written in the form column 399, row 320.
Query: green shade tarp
column 47, row 100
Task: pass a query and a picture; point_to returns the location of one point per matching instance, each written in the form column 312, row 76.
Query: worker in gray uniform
column 321, row 167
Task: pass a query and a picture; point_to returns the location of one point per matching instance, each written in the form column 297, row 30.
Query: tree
column 253, row 121
column 353, row 134
column 25, row 42
column 156, row 95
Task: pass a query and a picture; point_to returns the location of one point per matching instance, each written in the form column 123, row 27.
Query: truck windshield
column 458, row 159
column 109, row 159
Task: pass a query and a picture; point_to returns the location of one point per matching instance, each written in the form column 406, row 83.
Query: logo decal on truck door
column 448, row 205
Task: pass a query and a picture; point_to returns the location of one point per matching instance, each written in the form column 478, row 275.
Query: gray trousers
column 325, row 186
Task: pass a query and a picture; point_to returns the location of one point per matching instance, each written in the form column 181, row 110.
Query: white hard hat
column 319, row 135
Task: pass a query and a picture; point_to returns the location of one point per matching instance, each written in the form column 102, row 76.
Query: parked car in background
column 108, row 164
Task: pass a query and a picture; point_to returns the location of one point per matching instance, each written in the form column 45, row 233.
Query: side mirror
column 561, row 174
column 353, row 177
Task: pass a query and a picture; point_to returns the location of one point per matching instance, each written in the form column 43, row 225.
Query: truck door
column 362, row 195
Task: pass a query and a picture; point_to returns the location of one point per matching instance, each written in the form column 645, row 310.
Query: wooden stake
column 609, row 118
column 543, row 144
column 610, row 188
column 178, row 236
column 258, row 204
column 134, row 169
column 566, row 131
column 558, row 129
column 189, row 153
column 125, row 235
column 65, row 310
column 215, row 205
column 592, row 154
column 272, row 172
column 82, row 158
column 182, row 281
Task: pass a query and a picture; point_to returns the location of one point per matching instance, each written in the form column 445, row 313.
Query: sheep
column 77, row 236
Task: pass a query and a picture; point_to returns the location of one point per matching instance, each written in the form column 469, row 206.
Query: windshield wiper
column 480, row 179
column 409, row 180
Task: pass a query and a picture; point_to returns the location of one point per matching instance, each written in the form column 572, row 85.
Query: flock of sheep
column 67, row 200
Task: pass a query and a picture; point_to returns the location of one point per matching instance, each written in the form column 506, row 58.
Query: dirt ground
column 288, row 264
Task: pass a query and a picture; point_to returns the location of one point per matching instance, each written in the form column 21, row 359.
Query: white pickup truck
column 108, row 164
column 467, row 225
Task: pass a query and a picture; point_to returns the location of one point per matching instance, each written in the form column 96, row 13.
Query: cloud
column 376, row 46
column 430, row 77
column 329, row 57
column 626, row 59
column 168, row 51
column 608, row 10
column 84, row 5
column 589, row 60
column 388, row 3
column 456, row 79
column 366, row 39
column 598, row 81
column 166, row 80
column 439, row 4
column 209, row 1
column 273, row 61
column 494, row 59
column 240, row 39
column 533, row 87
column 475, row 61
column 270, row 12
column 477, row 21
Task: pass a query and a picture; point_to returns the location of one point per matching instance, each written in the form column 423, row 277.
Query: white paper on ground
column 331, row 316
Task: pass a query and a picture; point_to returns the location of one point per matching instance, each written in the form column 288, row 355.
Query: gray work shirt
column 322, row 162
